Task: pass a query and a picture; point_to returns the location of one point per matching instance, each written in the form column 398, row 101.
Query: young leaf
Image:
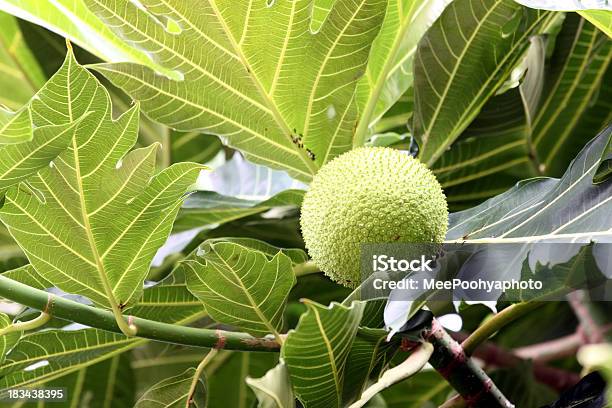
column 101, row 210
column 241, row 287
column 389, row 72
column 274, row 389
column 277, row 92
column 316, row 352
column 176, row 392
column 72, row 19
column 582, row 56
column 460, row 63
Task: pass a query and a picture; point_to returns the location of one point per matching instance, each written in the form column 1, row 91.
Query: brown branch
column 462, row 372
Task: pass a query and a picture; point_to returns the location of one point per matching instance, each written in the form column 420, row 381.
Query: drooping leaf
column 275, row 92
column 316, row 352
column 571, row 208
column 389, row 71
column 296, row 255
column 21, row 76
column 274, row 389
column 72, row 19
column 102, row 211
column 176, row 392
column 460, row 63
column 241, row 287
column 582, row 56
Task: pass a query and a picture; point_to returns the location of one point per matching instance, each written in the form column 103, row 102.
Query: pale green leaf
column 102, row 211
column 72, row 19
column 176, row 392
column 316, row 352
column 20, row 161
column 15, row 127
column 28, row 276
column 277, row 91
column 571, row 85
column 241, row 287
column 389, row 72
column 274, row 389
column 460, row 63
column 600, row 19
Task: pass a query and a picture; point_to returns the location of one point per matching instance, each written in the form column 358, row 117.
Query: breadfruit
column 366, row 196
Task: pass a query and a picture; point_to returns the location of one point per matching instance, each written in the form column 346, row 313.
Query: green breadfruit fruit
column 369, row 195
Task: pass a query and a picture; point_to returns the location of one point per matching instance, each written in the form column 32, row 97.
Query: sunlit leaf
column 274, row 92
column 102, row 211
column 241, row 287
column 389, row 72
column 72, row 19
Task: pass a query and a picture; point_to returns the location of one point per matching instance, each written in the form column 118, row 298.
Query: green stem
column 306, row 268
column 35, row 323
column 199, row 370
column 494, row 324
column 148, row 329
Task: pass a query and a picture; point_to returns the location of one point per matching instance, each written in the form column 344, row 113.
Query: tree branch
column 148, row 329
column 466, row 377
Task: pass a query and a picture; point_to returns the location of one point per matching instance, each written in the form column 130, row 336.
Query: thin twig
column 495, row 323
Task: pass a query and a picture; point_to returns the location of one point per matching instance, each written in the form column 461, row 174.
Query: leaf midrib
column 278, row 118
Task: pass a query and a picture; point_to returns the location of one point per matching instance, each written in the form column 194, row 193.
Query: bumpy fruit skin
column 369, row 195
